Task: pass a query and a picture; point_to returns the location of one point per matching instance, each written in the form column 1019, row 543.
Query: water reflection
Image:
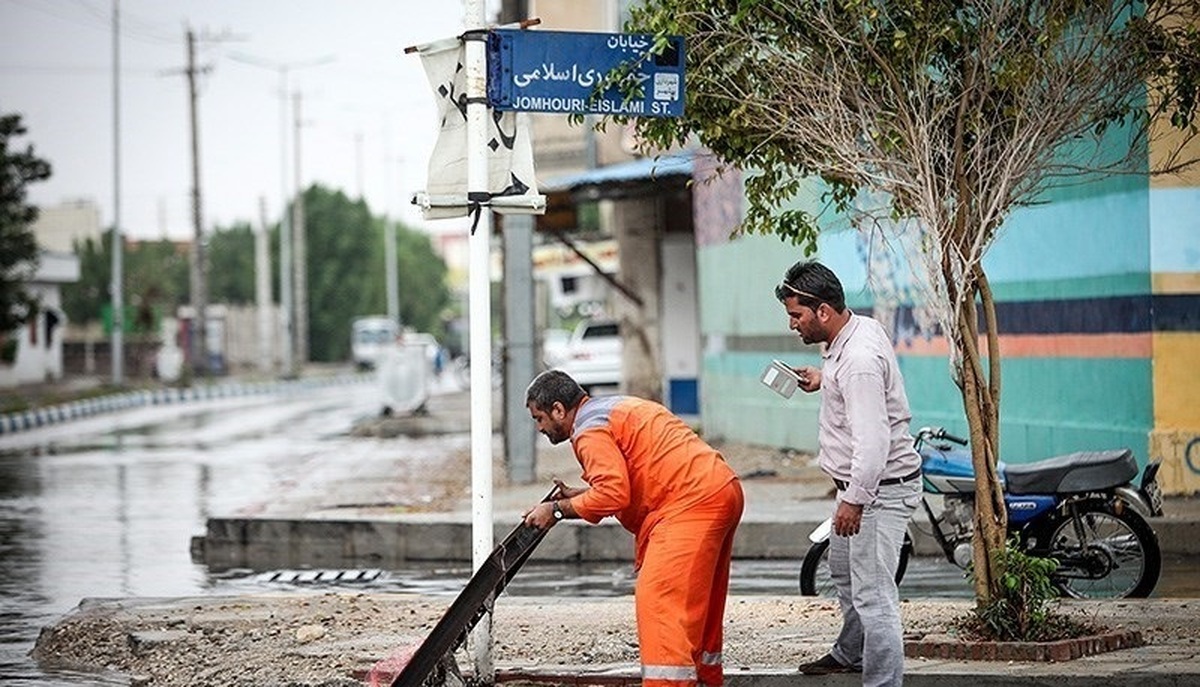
column 106, row 507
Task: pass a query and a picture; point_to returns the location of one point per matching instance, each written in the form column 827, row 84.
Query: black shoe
column 826, row 665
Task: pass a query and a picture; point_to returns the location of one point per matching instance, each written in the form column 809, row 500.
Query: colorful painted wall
column 1175, row 283
column 1098, row 302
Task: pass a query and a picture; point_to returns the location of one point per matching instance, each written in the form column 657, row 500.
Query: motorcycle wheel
column 814, row 572
column 1112, row 554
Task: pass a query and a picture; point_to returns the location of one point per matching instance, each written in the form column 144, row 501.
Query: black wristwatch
column 558, row 513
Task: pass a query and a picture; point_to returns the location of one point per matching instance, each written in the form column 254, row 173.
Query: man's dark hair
column 554, row 386
column 812, row 284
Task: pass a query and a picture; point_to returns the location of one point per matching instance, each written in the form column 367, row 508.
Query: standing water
column 106, row 506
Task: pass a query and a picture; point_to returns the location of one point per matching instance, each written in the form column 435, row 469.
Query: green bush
column 1024, row 611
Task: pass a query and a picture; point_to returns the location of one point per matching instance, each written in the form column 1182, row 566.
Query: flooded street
column 106, row 507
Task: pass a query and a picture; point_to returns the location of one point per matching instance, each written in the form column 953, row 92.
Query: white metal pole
column 479, row 307
column 286, row 307
column 299, row 247
column 391, row 269
column 118, row 243
column 262, row 289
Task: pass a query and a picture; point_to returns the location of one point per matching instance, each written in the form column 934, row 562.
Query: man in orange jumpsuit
column 679, row 498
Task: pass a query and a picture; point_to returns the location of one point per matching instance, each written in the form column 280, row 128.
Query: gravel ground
column 335, row 638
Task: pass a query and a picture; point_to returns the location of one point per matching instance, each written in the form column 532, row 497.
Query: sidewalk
column 398, row 508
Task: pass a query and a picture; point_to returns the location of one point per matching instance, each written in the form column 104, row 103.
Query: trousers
column 863, row 569
column 681, row 591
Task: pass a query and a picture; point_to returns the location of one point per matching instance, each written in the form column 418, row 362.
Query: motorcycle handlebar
column 939, row 433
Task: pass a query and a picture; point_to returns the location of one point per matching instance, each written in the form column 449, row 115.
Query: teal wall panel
column 1176, row 215
column 739, row 408
column 1094, row 236
column 1049, row 406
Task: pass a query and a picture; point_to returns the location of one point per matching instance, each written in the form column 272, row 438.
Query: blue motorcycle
column 1081, row 509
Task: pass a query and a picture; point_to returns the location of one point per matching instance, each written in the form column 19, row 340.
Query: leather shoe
column 826, row 665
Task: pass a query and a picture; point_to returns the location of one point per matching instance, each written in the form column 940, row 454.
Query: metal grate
column 321, row 576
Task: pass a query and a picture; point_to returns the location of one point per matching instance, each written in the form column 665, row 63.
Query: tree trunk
column 981, row 402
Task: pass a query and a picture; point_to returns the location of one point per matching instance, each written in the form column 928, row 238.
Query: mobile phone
column 781, row 378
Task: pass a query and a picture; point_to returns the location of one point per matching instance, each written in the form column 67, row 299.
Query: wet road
column 106, row 507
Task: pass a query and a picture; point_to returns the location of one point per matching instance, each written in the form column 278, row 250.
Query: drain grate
column 356, row 576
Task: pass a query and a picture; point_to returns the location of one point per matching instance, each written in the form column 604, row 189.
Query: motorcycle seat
column 1072, row 473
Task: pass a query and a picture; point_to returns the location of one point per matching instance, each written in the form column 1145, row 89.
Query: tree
column 231, row 265
column 83, row 300
column 347, row 274
column 421, row 273
column 943, row 115
column 156, row 281
column 18, row 247
column 155, row 275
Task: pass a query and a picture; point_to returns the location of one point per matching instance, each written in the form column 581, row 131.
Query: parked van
column 370, row 337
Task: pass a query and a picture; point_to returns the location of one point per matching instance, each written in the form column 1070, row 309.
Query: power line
column 93, row 18
column 76, row 70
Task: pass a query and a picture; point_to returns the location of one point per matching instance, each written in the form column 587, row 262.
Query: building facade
column 1098, row 299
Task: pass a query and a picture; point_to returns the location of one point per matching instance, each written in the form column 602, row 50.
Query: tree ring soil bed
column 954, row 648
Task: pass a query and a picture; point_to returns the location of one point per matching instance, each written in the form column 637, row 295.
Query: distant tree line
column 346, row 274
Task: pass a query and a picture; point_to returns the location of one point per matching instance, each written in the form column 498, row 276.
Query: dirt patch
column 329, row 639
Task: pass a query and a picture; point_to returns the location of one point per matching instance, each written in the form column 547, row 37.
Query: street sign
column 559, row 71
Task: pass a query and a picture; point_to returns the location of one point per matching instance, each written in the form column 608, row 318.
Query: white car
column 554, row 346
column 593, row 355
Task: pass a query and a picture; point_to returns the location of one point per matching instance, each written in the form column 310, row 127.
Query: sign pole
column 479, row 314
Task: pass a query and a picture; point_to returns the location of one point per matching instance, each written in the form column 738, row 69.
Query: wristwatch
column 558, row 513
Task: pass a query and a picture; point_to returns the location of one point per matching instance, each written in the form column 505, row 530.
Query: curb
column 946, row 647
column 11, row 423
column 378, row 540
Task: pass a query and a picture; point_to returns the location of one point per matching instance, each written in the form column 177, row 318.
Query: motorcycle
column 1081, row 509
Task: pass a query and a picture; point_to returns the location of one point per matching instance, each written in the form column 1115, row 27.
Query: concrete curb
column 11, row 423
column 383, row 541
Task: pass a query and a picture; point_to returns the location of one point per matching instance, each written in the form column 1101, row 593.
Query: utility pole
column 286, row 291
column 299, row 246
column 391, row 269
column 199, row 282
column 262, row 290
column 358, row 162
column 118, row 242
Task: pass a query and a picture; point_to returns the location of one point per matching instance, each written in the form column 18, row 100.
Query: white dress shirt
column 864, row 435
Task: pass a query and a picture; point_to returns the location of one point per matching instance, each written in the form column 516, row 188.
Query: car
column 554, row 346
column 593, row 354
column 370, row 339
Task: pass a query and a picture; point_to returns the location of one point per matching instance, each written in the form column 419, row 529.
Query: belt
column 884, row 482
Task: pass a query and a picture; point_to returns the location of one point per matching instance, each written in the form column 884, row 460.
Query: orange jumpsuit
column 682, row 502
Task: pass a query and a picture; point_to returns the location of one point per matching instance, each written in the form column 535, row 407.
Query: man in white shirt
column 866, row 448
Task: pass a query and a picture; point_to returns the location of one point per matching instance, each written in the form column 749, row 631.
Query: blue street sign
column 558, row 71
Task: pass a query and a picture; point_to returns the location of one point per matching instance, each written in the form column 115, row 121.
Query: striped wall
column 1098, row 301
column 1175, row 282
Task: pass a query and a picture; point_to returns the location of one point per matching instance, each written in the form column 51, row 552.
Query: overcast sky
column 369, row 118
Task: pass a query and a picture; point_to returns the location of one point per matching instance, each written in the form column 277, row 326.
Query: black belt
column 884, row 482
